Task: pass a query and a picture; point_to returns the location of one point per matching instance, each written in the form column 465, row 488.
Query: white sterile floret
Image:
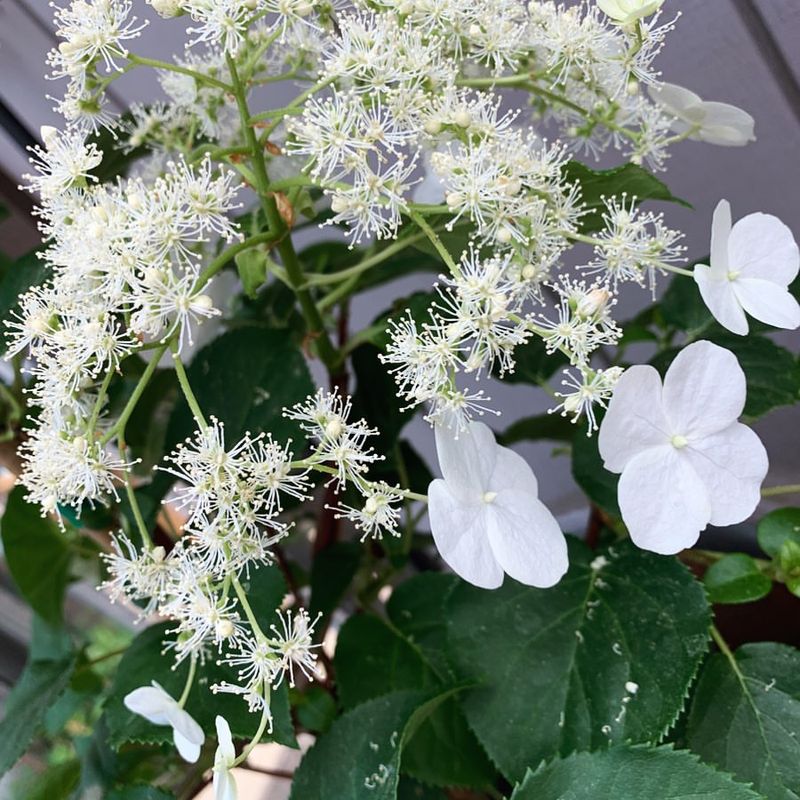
column 752, row 264
column 705, row 121
column 626, row 12
column 160, row 708
column 224, row 783
column 485, row 515
column 685, row 460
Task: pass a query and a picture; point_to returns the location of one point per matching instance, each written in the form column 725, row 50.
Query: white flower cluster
column 124, row 265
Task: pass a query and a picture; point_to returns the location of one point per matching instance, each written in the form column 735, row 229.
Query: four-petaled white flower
column 685, row 460
column 485, row 514
column 224, row 758
column 160, row 708
column 752, row 264
column 626, row 12
column 704, row 120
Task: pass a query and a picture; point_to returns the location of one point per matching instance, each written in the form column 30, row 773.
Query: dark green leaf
column 683, row 307
column 372, row 659
column 40, row 685
column 359, row 757
column 409, row 789
column 605, row 656
column 252, row 268
column 315, row 708
column 146, row 430
column 417, row 304
column 736, row 578
column 543, row 426
column 534, row 364
column 37, row 554
column 53, row 783
column 25, row 273
column 140, row 793
column 331, row 573
column 776, row 527
column 590, row 474
column 631, row 773
column 745, row 717
column 403, row 465
column 628, row 179
column 244, row 378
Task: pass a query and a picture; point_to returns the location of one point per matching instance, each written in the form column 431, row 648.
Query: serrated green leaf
column 331, row 573
column 553, row 427
column 37, row 554
column 627, row 179
column 587, row 468
column 736, row 578
column 745, row 717
column 315, row 708
column 244, row 378
column 359, row 757
column 776, row 527
column 42, row 682
column 605, row 656
column 631, row 773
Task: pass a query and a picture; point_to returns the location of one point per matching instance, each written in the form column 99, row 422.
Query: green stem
column 229, row 254
column 248, row 611
column 189, row 681
column 772, row 491
column 100, row 400
column 137, row 512
column 262, row 726
column 186, row 388
column 435, row 241
column 198, row 76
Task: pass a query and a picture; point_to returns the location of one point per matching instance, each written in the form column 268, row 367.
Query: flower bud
column 224, row 628
column 334, row 428
column 462, row 118
column 166, row 8
column 203, row 302
column 433, row 127
column 593, row 302
column 454, row 199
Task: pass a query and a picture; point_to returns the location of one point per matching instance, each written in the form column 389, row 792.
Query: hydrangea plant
column 293, row 564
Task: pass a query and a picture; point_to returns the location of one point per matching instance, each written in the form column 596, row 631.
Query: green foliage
column 587, row 468
column 631, row 773
column 140, row 793
column 745, row 717
column 543, row 426
column 55, row 782
column 359, row 757
column 44, row 679
column 331, row 573
column 252, row 268
column 38, row 556
column 629, row 179
column 736, row 578
column 315, row 709
column 244, row 378
column 776, row 528
column 534, row 365
column 585, row 671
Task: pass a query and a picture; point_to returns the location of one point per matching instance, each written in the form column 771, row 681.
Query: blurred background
column 745, row 52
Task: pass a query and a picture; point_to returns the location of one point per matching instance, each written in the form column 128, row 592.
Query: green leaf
column 418, row 305
column 683, row 307
column 789, row 563
column 587, row 468
column 331, row 573
column 42, row 682
column 543, row 426
column 146, row 431
column 53, row 783
column 776, row 527
column 315, row 708
column 371, row 659
column 37, row 554
column 252, row 268
column 628, row 179
column 25, row 273
column 409, row 789
column 455, row 241
column 244, row 378
column 140, row 793
column 745, row 717
column 534, row 365
column 736, row 578
column 631, row 773
column 359, row 757
column 605, row 656
column 416, row 608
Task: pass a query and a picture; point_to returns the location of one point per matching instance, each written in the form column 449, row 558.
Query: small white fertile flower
column 626, row 12
column 752, row 264
column 714, row 123
column 685, row 460
column 160, row 708
column 224, row 757
column 486, row 518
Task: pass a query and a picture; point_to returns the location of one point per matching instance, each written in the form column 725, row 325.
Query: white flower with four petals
column 486, row 518
column 752, row 264
column 685, row 460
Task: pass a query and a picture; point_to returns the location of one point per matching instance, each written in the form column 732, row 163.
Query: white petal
column 720, row 233
column 525, row 537
column 676, row 99
column 225, row 748
column 186, row 733
column 704, row 390
column 150, row 702
column 718, row 295
column 460, row 531
column 662, row 500
column 761, row 246
column 635, row 419
column 732, row 464
column 768, row 302
column 224, row 785
column 466, row 458
column 726, row 125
